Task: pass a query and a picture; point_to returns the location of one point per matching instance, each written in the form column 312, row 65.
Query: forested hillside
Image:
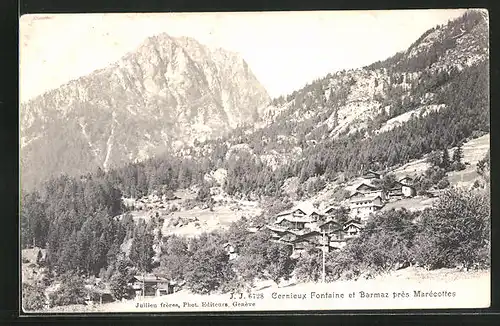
column 344, row 123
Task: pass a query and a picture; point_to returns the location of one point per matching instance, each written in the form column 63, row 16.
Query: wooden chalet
column 329, row 227
column 401, row 190
column 296, row 219
column 98, row 293
column 277, row 231
column 295, row 213
column 315, row 216
column 352, row 228
column 408, row 190
column 150, row 285
column 363, row 206
column 367, row 189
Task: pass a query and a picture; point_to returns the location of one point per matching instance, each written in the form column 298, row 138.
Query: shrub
column 119, row 280
column 384, row 244
column 443, row 183
column 309, row 265
column 208, row 267
column 252, row 260
column 70, row 291
column 435, row 174
column 456, row 231
column 174, row 257
column 457, row 166
column 33, row 297
column 280, row 265
column 203, row 193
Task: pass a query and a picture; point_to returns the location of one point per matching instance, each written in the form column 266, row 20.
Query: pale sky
column 285, row 50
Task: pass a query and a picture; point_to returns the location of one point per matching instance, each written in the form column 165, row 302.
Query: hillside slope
column 432, row 96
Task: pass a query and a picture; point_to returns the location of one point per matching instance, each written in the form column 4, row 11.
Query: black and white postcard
column 254, row 161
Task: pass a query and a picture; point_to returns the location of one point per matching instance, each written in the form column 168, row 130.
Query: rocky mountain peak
column 168, row 92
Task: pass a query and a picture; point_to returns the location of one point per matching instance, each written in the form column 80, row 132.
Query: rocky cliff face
column 348, row 101
column 370, row 100
column 167, row 93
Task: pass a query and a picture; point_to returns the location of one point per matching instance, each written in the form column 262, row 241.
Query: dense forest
column 466, row 115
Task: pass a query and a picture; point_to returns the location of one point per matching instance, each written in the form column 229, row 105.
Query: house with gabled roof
column 406, row 180
column 315, row 216
column 363, row 206
column 329, row 226
column 408, row 190
column 352, row 228
column 395, row 192
column 277, row 231
column 365, row 187
column 292, row 212
column 401, row 190
column 148, row 285
column 294, row 222
column 331, row 209
column 297, row 218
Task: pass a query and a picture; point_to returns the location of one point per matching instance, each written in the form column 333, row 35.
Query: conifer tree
column 458, row 154
column 445, row 159
column 141, row 251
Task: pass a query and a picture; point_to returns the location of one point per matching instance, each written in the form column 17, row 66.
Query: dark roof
column 328, row 222
column 291, row 212
column 396, row 186
column 300, row 232
column 331, row 208
column 355, row 193
column 366, row 185
column 351, row 221
column 276, row 228
column 365, row 198
column 310, row 233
